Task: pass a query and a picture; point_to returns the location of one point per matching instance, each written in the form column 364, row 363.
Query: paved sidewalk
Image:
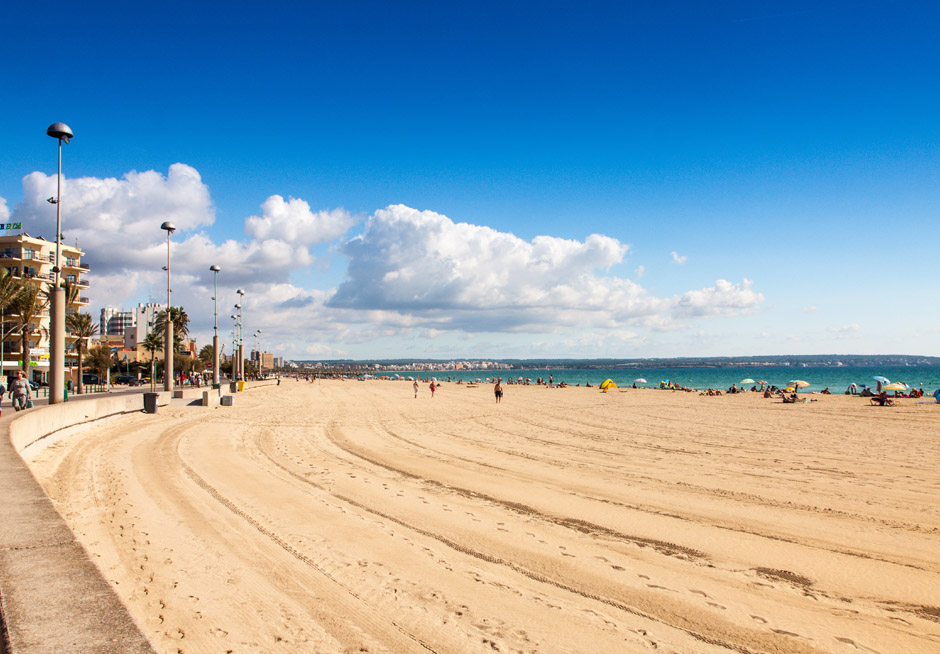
column 52, row 597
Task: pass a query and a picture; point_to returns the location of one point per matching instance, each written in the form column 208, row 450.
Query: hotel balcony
column 72, row 263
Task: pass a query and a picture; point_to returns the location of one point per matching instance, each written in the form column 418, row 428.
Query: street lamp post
column 241, row 342
column 62, row 132
column 168, row 322
column 234, row 346
column 238, row 329
column 215, row 324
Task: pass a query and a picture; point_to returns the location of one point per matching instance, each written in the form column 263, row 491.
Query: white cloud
column 294, row 222
column 809, row 309
column 4, row 210
column 117, row 221
column 639, row 272
column 412, row 277
column 844, row 329
column 678, row 259
column 724, row 298
column 473, row 278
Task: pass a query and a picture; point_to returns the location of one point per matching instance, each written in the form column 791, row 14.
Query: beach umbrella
column 896, row 386
column 639, row 380
column 748, row 381
column 883, row 380
column 798, row 383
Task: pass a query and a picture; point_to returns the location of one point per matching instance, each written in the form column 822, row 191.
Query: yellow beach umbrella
column 895, row 386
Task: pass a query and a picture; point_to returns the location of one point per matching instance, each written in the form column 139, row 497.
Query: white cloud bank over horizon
column 410, row 274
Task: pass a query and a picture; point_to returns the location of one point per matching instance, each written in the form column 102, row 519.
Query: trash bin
column 233, row 387
column 241, row 385
column 150, row 402
column 65, row 394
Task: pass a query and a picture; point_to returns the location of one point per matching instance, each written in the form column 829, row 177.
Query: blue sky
column 424, row 179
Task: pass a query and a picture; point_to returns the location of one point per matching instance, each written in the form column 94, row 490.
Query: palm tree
column 27, row 306
column 180, row 324
column 71, row 291
column 82, row 326
column 153, row 344
column 10, row 287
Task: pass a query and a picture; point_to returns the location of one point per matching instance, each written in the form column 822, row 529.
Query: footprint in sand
column 717, row 606
column 759, row 619
column 698, row 592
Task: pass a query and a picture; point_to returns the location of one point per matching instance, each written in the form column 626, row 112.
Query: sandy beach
column 351, row 517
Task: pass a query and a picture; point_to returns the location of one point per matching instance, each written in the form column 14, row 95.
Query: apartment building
column 32, row 259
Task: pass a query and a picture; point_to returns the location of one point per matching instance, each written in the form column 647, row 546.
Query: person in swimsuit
column 498, row 390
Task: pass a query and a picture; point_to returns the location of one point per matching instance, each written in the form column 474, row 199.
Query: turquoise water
column 837, row 379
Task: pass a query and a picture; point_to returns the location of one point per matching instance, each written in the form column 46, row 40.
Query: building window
column 71, row 279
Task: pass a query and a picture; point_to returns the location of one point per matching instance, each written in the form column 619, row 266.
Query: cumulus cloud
column 475, row 278
column 724, row 298
column 4, row 210
column 678, row 259
column 294, row 222
column 116, row 221
column 410, row 273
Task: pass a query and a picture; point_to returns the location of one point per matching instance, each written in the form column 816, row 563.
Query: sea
column 836, row 379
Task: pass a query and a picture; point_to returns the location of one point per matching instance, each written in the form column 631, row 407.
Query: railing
column 83, row 266
column 81, row 283
column 83, row 300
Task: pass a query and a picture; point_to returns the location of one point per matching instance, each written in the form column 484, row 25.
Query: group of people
column 432, row 387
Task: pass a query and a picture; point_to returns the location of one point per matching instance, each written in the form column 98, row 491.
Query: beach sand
column 351, row 517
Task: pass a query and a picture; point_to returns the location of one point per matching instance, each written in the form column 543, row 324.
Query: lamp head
column 240, row 292
column 238, row 306
column 214, row 269
column 169, row 227
column 60, row 131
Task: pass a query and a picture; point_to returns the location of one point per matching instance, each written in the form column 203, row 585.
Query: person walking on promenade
column 498, row 389
column 19, row 391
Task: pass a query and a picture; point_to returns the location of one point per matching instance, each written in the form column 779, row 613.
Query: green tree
column 99, row 358
column 205, row 355
column 83, row 327
column 10, row 287
column 71, row 291
column 180, row 325
column 27, row 306
column 153, row 344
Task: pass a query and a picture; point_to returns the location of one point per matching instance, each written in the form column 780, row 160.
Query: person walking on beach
column 433, row 388
column 416, row 389
column 19, row 391
column 498, row 389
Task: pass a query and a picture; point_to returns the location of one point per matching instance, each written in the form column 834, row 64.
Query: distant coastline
column 816, row 360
